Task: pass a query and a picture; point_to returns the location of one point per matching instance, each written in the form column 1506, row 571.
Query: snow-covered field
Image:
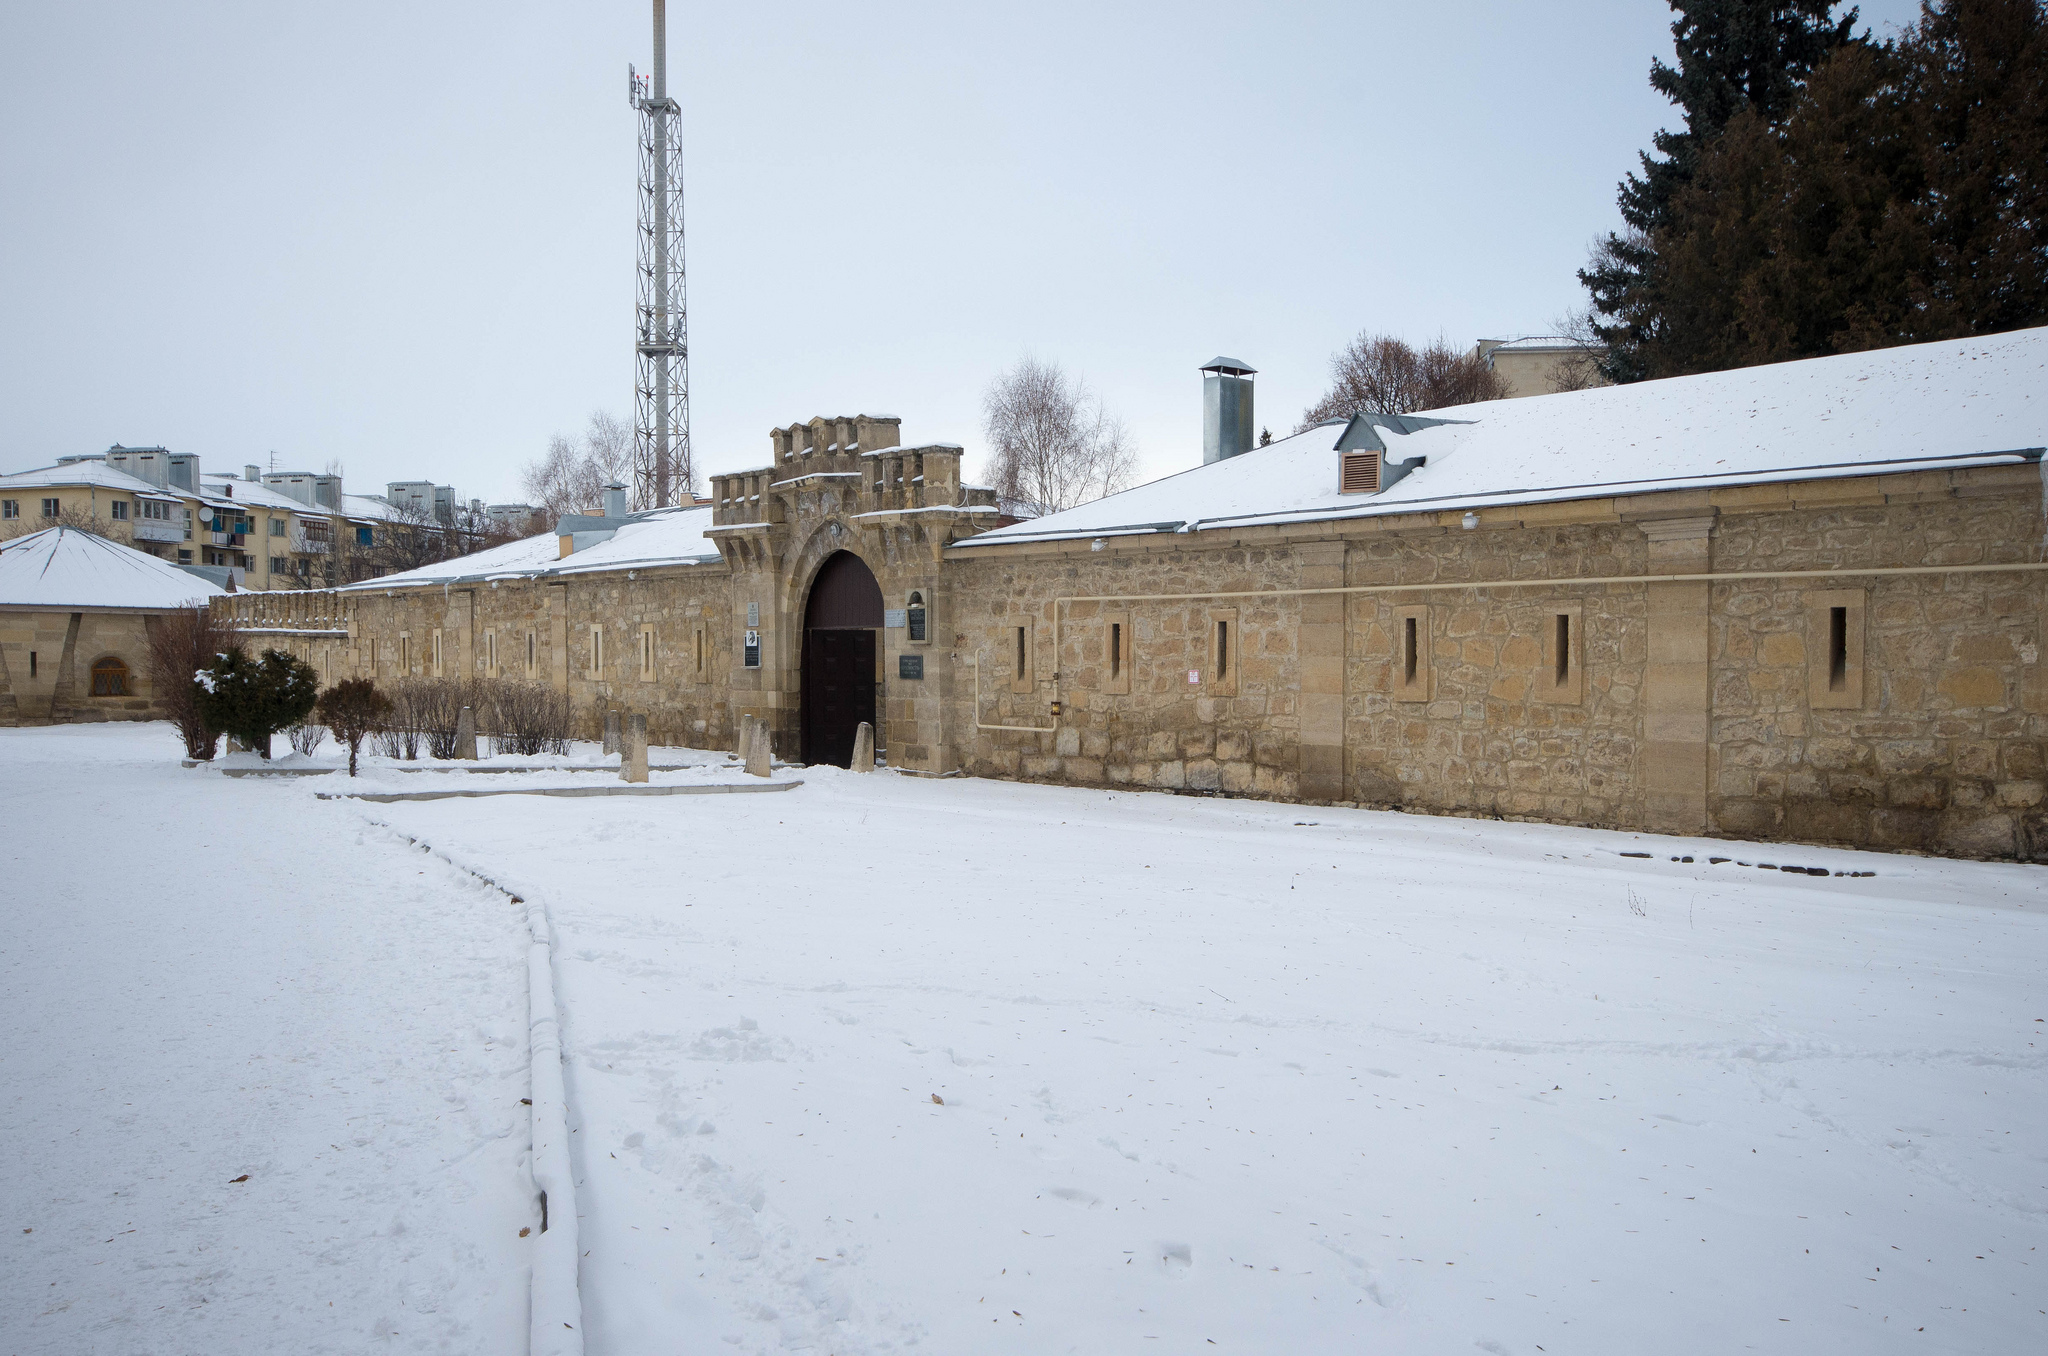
column 887, row 1064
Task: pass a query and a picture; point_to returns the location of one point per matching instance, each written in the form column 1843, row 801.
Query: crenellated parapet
column 852, row 471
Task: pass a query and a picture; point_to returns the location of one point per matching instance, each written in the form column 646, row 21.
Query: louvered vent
column 1358, row 473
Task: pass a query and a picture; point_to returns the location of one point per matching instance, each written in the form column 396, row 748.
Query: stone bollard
column 864, row 748
column 746, row 741
column 465, row 735
column 633, row 753
column 761, row 753
column 611, row 732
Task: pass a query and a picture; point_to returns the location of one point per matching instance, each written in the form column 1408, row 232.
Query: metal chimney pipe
column 615, row 501
column 1226, row 408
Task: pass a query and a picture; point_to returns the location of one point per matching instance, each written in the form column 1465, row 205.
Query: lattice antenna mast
column 663, row 471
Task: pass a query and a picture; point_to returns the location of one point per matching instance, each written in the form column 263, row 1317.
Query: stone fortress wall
column 1401, row 660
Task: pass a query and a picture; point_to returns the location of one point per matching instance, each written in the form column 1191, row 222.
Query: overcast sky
column 401, row 236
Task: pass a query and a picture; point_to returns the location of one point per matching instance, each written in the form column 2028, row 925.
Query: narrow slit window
column 1116, row 649
column 596, row 650
column 491, row 653
column 1838, row 649
column 700, row 650
column 1410, row 652
column 646, row 652
column 1021, row 643
column 1222, row 647
column 532, row 650
column 1561, row 669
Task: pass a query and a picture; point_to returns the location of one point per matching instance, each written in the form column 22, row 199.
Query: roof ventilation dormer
column 1368, row 451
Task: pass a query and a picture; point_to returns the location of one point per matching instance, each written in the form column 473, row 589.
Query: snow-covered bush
column 305, row 737
column 181, row 643
column 252, row 699
column 352, row 708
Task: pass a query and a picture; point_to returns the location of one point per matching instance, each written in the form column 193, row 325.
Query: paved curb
column 555, row 1298
column 387, row 797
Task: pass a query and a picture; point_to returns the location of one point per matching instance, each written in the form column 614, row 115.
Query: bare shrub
column 306, row 737
column 180, row 644
column 529, row 718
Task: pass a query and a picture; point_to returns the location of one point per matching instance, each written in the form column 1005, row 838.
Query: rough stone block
column 863, row 748
column 465, row 735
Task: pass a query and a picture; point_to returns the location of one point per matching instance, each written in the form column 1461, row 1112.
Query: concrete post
column 747, row 723
column 633, row 756
column 465, row 735
column 611, row 731
column 760, row 753
column 864, row 748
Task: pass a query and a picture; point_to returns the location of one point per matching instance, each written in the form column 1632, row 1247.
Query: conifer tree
column 1732, row 55
column 252, row 699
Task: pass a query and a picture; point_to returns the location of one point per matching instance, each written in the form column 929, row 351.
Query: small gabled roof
column 63, row 567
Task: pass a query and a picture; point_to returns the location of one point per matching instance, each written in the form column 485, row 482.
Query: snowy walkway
column 963, row 1067
column 203, row 979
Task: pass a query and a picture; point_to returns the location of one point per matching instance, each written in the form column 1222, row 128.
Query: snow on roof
column 63, row 567
column 255, row 494
column 96, row 474
column 673, row 536
column 1541, row 343
column 1962, row 400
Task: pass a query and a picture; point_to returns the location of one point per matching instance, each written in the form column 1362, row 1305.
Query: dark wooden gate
column 840, row 620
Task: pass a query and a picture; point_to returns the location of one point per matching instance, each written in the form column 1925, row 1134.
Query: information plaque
column 910, row 666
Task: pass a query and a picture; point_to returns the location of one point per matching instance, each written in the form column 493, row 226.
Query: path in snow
column 1276, row 1079
column 203, row 978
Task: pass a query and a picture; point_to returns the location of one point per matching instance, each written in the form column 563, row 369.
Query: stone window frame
column 917, row 600
column 596, row 650
column 1409, row 676
column 1562, row 679
column 1827, row 689
column 1022, row 638
column 1116, row 668
column 701, row 649
column 532, row 653
column 405, row 654
column 110, row 677
column 434, row 650
column 1225, row 646
column 646, row 649
column 490, row 654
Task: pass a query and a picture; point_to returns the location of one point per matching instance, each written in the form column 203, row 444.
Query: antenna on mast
column 663, row 469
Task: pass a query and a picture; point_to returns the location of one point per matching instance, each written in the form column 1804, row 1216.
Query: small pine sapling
column 351, row 709
column 252, row 699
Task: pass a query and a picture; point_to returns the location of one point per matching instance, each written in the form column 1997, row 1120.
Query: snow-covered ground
column 261, row 1068
column 886, row 1064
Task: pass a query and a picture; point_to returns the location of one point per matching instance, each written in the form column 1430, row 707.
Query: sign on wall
column 910, row 666
column 753, row 649
column 892, row 617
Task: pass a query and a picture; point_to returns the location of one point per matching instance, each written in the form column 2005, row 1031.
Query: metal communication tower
column 663, row 472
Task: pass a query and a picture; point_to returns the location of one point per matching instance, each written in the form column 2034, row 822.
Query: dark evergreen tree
column 252, row 699
column 1732, row 55
column 1976, row 81
column 1904, row 198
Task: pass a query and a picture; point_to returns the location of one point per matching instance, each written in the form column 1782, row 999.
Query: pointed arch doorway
column 840, row 620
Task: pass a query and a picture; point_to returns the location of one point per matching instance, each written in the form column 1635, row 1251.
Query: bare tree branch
column 1380, row 374
column 1052, row 444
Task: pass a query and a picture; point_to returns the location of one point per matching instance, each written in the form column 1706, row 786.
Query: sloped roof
column 97, row 474
column 1958, row 402
column 672, row 536
column 63, row 567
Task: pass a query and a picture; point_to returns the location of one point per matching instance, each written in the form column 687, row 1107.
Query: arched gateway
column 840, row 620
